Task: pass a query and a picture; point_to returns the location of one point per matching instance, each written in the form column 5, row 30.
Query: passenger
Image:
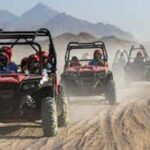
column 24, row 64
column 44, row 57
column 33, row 64
column 4, row 59
column 11, row 66
column 97, row 58
column 45, row 61
column 139, row 58
column 74, row 62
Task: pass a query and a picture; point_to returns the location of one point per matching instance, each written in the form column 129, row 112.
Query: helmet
column 7, row 50
column 33, row 61
column 34, row 57
column 74, row 58
column 44, row 54
column 97, row 51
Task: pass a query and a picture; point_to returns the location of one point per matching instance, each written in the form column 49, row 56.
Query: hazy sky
column 130, row 15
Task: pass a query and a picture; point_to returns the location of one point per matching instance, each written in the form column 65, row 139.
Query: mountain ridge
column 58, row 23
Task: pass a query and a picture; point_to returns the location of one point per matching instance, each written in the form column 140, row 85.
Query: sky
column 130, row 15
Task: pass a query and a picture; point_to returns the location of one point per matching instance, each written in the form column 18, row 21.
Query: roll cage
column 29, row 38
column 141, row 47
column 76, row 45
column 118, row 53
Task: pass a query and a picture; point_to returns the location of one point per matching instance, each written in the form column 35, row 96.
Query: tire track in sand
column 125, row 126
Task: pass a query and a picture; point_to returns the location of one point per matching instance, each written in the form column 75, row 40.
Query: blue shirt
column 11, row 68
column 48, row 67
column 93, row 62
column 96, row 62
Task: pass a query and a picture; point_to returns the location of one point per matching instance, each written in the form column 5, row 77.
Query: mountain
column 35, row 17
column 117, row 43
column 6, row 18
column 113, row 39
column 63, row 23
column 111, row 30
column 39, row 14
column 58, row 23
column 68, row 37
column 110, row 41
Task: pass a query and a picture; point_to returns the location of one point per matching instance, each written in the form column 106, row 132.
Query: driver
column 4, row 59
column 46, row 65
column 33, row 64
column 24, row 64
column 139, row 58
column 11, row 66
column 97, row 58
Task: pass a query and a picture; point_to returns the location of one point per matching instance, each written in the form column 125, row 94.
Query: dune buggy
column 88, row 80
column 134, row 70
column 33, row 96
column 119, row 63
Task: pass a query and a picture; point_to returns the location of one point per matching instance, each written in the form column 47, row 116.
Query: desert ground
column 93, row 125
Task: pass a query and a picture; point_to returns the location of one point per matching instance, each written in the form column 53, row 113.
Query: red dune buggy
column 32, row 96
column 84, row 79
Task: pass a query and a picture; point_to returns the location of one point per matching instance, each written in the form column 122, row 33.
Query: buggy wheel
column 49, row 116
column 110, row 92
column 63, row 118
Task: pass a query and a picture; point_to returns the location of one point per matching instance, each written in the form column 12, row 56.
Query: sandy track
column 125, row 126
